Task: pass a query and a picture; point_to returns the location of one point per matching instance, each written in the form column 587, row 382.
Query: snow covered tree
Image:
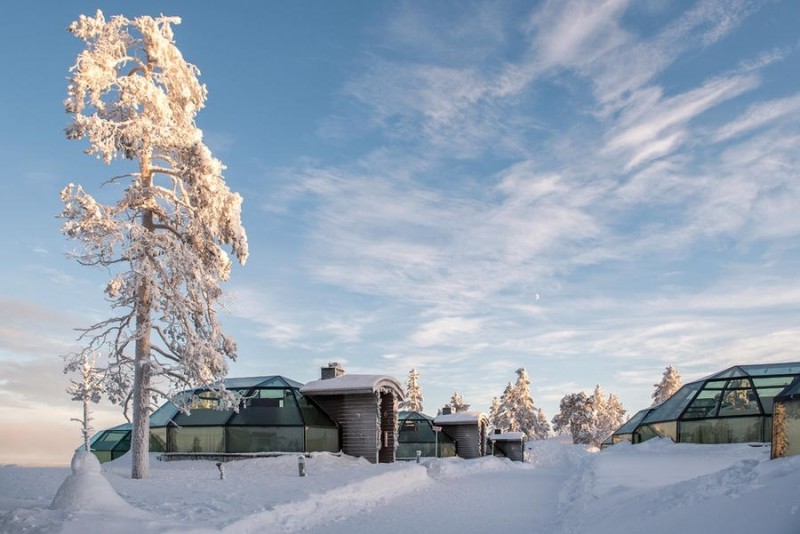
column 87, row 390
column 516, row 412
column 414, row 398
column 494, row 413
column 457, row 403
column 589, row 418
column 609, row 414
column 670, row 383
column 133, row 97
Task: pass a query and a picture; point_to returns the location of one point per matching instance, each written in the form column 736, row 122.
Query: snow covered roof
column 508, row 436
column 353, row 384
column 460, row 418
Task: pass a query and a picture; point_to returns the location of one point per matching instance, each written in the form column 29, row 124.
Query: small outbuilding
column 786, row 422
column 508, row 444
column 416, row 432
column 467, row 429
column 364, row 406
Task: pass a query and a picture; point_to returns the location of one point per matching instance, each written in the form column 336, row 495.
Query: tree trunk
column 140, row 436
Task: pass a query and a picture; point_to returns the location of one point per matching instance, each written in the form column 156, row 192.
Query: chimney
column 332, row 371
column 447, row 410
column 498, row 431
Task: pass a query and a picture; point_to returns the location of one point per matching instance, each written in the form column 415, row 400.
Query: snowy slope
column 562, row 488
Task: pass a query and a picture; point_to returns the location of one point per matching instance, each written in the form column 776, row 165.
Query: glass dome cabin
column 415, row 433
column 732, row 406
column 273, row 417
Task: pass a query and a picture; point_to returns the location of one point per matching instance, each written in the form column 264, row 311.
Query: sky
column 589, row 190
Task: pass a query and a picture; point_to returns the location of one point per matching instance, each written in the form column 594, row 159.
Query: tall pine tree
column 670, row 383
column 414, row 398
column 133, row 97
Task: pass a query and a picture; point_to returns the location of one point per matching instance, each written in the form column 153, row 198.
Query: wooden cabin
column 468, row 430
column 364, row 406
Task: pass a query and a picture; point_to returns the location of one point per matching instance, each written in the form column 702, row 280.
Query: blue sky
column 590, row 190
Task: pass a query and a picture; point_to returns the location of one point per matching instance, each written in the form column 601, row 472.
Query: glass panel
column 767, row 397
column 790, row 427
column 411, row 431
column 203, row 417
column 727, row 430
column 196, row 439
column 773, row 369
column 633, row 422
column 739, row 398
column 103, row 456
column 158, row 439
column 265, row 439
column 311, row 414
column 268, row 407
column 704, row 405
column 772, row 381
column 673, row 406
column 656, row 430
column 321, row 439
column 109, row 439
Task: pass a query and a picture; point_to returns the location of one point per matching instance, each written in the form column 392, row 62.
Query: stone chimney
column 333, row 370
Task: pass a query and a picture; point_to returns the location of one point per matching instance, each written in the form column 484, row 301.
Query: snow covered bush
column 590, row 419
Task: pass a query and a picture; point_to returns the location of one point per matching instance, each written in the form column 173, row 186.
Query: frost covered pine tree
column 134, row 97
column 86, row 389
column 670, row 383
column 457, row 403
column 527, row 417
column 414, row 398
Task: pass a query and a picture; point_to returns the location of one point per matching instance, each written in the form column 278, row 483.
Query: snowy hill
column 657, row 486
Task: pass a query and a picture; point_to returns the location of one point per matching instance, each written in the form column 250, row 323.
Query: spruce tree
column 670, row 383
column 414, row 398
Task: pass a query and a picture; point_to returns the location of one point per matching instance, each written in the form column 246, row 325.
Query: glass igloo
column 732, row 406
column 273, row 417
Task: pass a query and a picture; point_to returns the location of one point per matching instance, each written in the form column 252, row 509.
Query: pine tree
column 134, row 97
column 528, row 417
column 414, row 398
column 516, row 412
column 457, row 403
column 670, row 383
column 87, row 390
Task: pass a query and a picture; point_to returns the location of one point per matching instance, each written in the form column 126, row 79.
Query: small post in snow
column 419, row 453
column 221, row 470
column 301, row 465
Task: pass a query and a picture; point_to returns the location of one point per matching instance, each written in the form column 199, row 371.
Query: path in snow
column 516, row 498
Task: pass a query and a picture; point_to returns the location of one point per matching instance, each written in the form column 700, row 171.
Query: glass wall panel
column 704, row 405
column 268, row 407
column 667, row 429
column 196, row 439
column 673, row 406
column 739, row 399
column 415, row 431
column 311, row 414
column 110, row 439
column 322, row 439
column 203, row 417
column 726, row 430
column 767, row 396
column 158, row 439
column 265, row 439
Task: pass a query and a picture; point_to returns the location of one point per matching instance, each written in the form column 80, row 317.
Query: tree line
column 588, row 417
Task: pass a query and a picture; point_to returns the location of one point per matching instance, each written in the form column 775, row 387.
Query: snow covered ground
column 655, row 487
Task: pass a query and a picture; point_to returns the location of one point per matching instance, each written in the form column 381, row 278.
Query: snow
column 459, row 418
column 507, row 436
column 351, row 384
column 657, row 486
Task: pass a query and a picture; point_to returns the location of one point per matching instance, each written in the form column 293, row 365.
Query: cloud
column 446, row 330
column 761, row 115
